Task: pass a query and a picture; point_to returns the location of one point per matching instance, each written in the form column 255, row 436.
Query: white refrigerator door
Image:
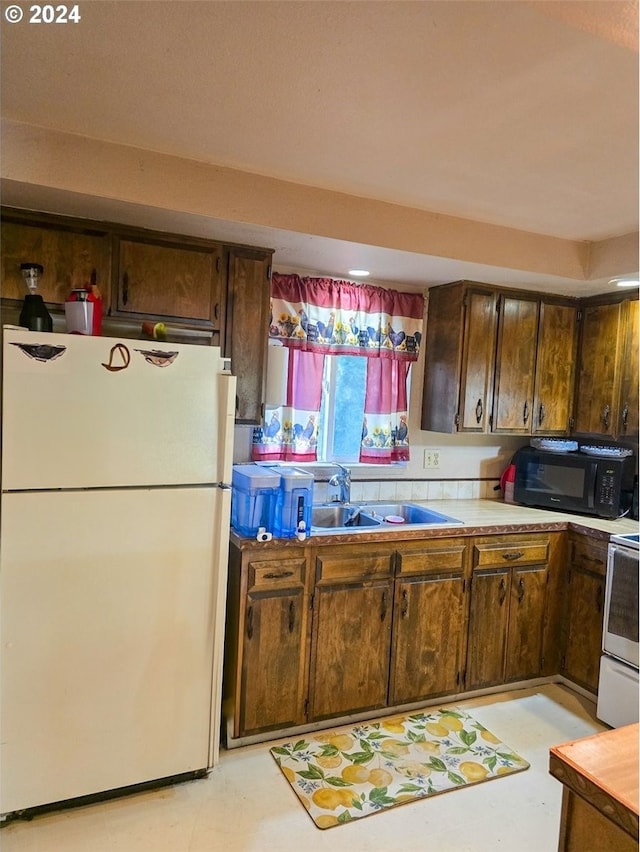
column 70, row 422
column 110, row 609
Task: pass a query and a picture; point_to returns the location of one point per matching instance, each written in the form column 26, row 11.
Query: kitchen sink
column 341, row 516
column 361, row 517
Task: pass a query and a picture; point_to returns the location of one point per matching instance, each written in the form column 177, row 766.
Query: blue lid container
column 293, row 507
column 253, row 498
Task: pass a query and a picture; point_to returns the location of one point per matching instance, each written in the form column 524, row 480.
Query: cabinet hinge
column 464, row 585
column 311, row 601
column 498, row 301
column 269, row 269
column 572, row 423
column 306, row 708
column 218, row 263
column 562, row 664
column 579, row 315
column 457, row 678
column 456, row 419
column 491, row 421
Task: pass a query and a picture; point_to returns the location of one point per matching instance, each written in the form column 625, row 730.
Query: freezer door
column 110, row 610
column 97, row 411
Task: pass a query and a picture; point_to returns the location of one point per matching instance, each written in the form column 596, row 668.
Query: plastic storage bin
column 293, row 507
column 253, row 498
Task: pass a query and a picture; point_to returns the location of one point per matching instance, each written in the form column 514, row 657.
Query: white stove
column 618, row 685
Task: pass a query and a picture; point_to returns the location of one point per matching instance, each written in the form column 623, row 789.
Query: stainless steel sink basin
column 360, row 517
column 341, row 516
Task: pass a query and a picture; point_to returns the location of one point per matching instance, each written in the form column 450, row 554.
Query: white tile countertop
column 477, row 517
column 481, row 513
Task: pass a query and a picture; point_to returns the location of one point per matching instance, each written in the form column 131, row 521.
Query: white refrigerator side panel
column 69, row 422
column 108, row 618
column 222, row 522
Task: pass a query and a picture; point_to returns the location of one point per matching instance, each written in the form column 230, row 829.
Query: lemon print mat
column 350, row 773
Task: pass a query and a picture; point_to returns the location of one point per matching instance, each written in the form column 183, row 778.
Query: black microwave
column 574, row 481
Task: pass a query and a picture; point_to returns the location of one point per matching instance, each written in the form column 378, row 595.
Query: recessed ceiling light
column 359, row 272
column 625, row 282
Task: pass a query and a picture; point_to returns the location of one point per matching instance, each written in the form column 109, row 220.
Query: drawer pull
column 278, row 575
column 404, row 608
column 513, row 554
column 125, row 288
column 292, row 616
column 503, row 591
column 250, row 623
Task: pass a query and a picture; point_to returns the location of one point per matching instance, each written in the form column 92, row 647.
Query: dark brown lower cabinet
column 430, row 621
column 508, row 609
column 351, row 641
column 267, row 642
column 584, row 611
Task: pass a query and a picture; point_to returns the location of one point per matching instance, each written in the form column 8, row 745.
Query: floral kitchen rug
column 349, row 773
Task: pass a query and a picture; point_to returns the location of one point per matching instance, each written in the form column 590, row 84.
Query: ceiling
column 518, row 115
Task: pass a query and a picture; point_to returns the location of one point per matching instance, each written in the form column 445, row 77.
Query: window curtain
column 318, row 316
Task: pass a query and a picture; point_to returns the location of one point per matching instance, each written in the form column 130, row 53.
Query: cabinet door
column 351, row 648
column 69, row 257
column 429, row 622
column 628, row 412
column 246, row 331
column 515, row 365
column 477, row 361
column 585, row 615
column 555, row 369
column 168, row 280
column 526, row 622
column 488, row 622
column 271, row 690
column 598, row 385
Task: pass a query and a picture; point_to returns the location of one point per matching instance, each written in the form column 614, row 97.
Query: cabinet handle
column 125, row 288
column 503, row 591
column 383, row 611
column 216, row 311
column 510, row 555
column 625, row 416
column 250, row 623
column 479, row 410
column 404, row 608
column 278, row 575
column 541, row 413
column 520, row 590
column 605, row 416
column 525, row 412
column 292, row 616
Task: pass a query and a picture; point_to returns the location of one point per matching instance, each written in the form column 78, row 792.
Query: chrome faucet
column 343, row 481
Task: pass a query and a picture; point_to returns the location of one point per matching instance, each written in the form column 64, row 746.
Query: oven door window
column 621, row 614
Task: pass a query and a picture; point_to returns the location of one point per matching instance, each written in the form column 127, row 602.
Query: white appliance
column 618, row 684
column 116, row 459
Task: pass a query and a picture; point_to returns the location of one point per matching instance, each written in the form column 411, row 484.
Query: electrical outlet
column 432, row 458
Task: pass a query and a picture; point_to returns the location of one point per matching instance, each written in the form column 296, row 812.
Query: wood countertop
column 603, row 770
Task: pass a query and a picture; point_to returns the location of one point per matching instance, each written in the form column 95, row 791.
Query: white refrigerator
column 116, row 464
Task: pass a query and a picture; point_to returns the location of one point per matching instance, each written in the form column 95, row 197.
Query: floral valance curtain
column 339, row 317
column 313, row 317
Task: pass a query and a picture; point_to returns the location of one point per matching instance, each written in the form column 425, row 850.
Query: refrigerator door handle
column 226, row 424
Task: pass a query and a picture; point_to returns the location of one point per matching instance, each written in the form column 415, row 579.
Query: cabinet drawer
column 444, row 558
column 516, row 553
column 356, row 568
column 589, row 554
column 276, row 574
